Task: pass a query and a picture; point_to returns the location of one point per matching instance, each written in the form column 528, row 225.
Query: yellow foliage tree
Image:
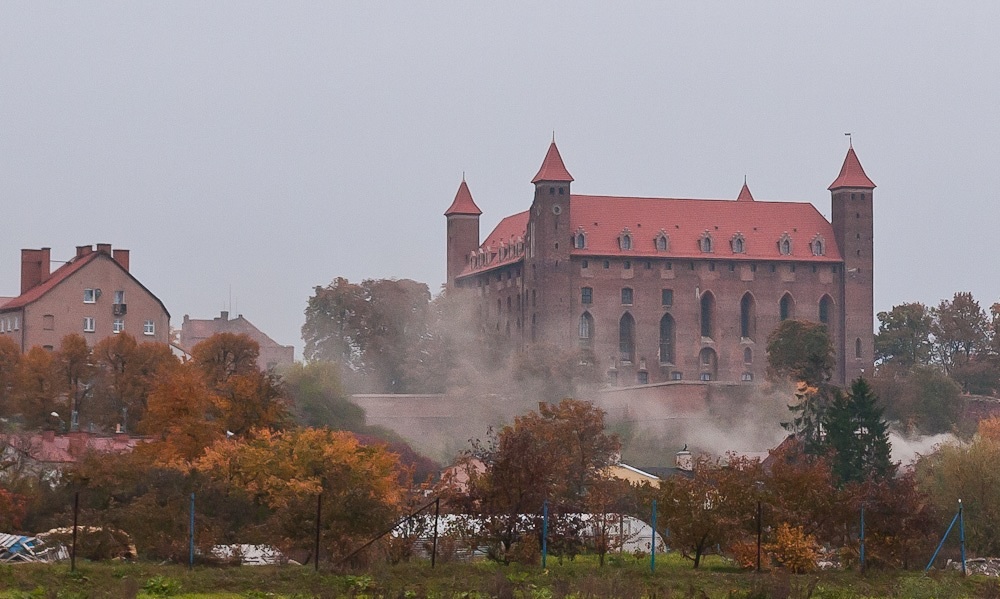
column 285, row 471
column 794, row 549
column 181, row 415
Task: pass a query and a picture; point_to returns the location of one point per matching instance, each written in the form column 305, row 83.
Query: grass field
column 621, row 577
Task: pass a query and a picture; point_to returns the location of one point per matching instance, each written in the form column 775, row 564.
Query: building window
column 607, row 264
column 627, row 296
column 857, row 348
column 667, row 339
column 739, row 244
column 746, row 377
column 643, row 377
column 709, row 364
column 785, row 244
column 580, row 241
column 748, row 316
column 627, row 265
column 120, row 296
column 118, row 326
column 705, row 242
column 625, row 241
column 584, row 264
column 89, row 296
column 825, row 309
column 586, row 327
column 626, row 338
column 662, row 241
column 48, row 322
column 149, row 328
column 88, row 324
column 786, row 307
column 667, row 297
column 748, row 356
column 705, row 376
column 587, row 295
column 17, row 322
column 707, row 316
column 818, row 246
column 676, row 375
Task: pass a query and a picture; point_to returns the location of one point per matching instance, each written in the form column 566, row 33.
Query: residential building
column 272, row 354
column 92, row 294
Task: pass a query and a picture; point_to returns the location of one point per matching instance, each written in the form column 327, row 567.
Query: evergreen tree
column 858, row 435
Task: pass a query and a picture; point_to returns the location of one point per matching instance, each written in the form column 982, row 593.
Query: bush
column 794, row 549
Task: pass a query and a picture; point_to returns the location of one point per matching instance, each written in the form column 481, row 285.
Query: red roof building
column 93, row 294
column 661, row 289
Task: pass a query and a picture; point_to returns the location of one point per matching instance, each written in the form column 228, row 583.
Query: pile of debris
column 986, row 566
column 24, row 549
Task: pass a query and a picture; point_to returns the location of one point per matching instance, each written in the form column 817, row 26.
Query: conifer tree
column 858, row 435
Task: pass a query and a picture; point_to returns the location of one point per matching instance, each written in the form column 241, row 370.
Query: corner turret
column 463, row 231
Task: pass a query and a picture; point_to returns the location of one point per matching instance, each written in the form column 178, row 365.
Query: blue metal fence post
column 862, row 537
column 191, row 537
column 545, row 530
column 961, row 533
column 941, row 544
column 652, row 547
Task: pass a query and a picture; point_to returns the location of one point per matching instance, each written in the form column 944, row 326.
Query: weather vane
column 850, row 140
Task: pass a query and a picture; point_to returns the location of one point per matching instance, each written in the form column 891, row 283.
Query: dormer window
column 662, row 241
column 785, row 244
column 625, row 240
column 739, row 244
column 580, row 240
column 818, row 245
column 705, row 243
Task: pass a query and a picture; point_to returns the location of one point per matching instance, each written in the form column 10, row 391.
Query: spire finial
column 744, row 178
column 553, row 136
column 850, row 140
column 463, row 176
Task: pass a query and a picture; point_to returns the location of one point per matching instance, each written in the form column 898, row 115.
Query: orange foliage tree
column 284, row 471
column 182, row 416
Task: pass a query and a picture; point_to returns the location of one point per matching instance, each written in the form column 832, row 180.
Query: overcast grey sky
column 270, row 147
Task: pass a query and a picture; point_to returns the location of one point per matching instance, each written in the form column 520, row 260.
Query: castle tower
column 852, row 220
column 548, row 288
column 463, row 232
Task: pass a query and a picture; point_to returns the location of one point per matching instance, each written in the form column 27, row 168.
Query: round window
column 557, row 209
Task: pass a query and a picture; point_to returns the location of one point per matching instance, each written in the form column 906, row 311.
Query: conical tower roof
column 463, row 204
column 851, row 174
column 553, row 168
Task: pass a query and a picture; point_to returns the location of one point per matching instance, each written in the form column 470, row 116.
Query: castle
column 665, row 289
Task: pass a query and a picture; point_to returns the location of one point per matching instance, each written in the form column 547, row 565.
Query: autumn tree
column 714, row 507
column 245, row 396
column 74, row 363
column 556, row 454
column 960, row 331
column 800, row 351
column 127, row 371
column 858, row 436
column 967, row 471
column 182, row 414
column 904, row 335
column 10, row 374
column 924, row 399
column 284, row 472
column 40, row 391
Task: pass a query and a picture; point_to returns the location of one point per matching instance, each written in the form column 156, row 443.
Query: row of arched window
column 748, row 325
column 706, row 242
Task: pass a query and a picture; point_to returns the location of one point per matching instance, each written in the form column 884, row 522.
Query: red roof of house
column 851, row 173
column 194, row 331
column 745, row 195
column 463, row 204
column 603, row 219
column 552, row 168
column 58, row 276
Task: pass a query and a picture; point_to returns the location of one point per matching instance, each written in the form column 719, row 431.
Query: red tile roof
column 761, row 224
column 195, row 331
column 745, row 195
column 60, row 275
column 553, row 168
column 685, row 221
column 463, row 204
column 508, row 232
column 851, row 173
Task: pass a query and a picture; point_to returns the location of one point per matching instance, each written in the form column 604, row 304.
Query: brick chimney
column 121, row 257
column 684, row 460
column 35, row 266
column 104, row 247
column 83, row 250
